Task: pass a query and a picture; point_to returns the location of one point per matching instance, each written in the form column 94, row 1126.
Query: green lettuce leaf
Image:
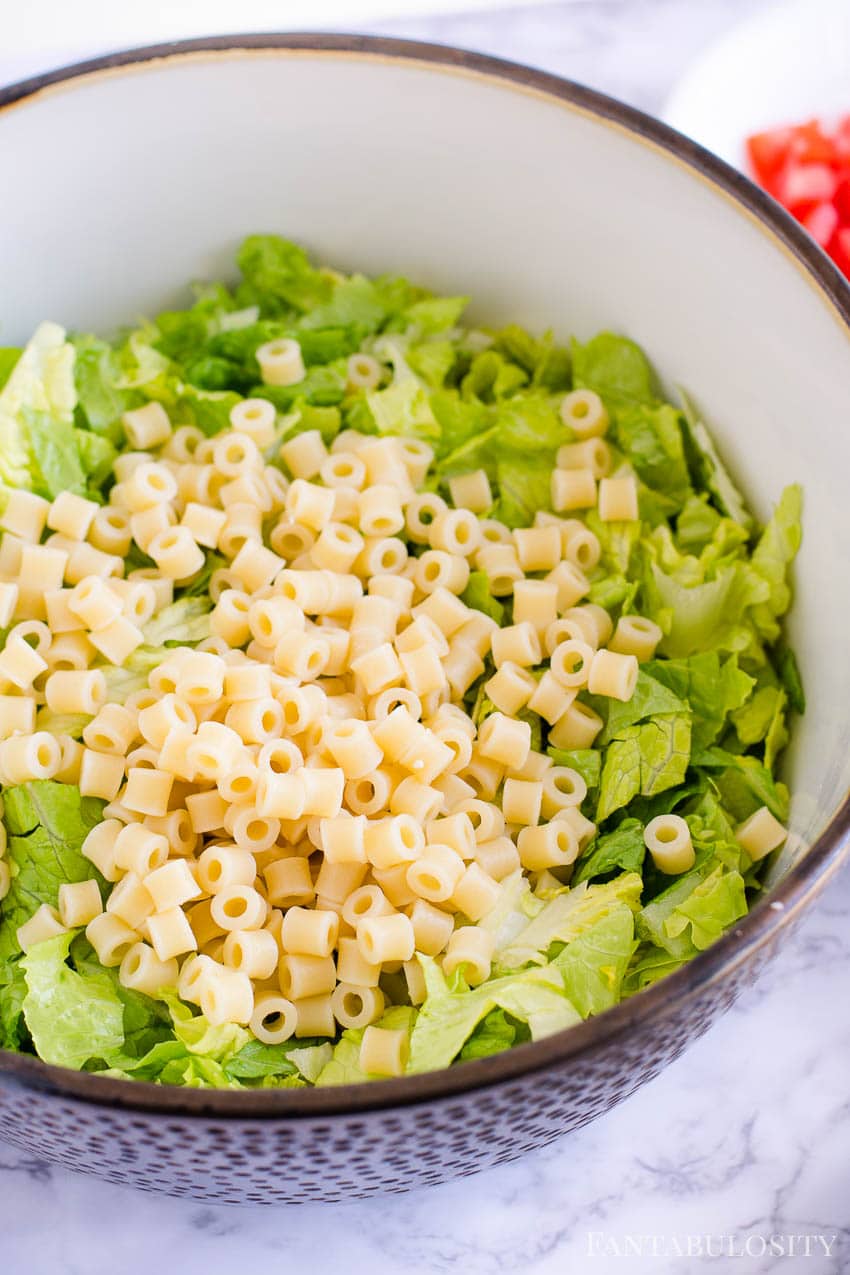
column 567, row 916
column 774, row 552
column 644, row 759
column 594, row 964
column 651, row 698
column 695, row 910
column 9, row 355
column 650, row 963
column 495, row 1033
column 71, row 1017
column 622, row 849
column 47, row 824
column 651, row 437
column 39, row 391
column 477, row 594
column 449, row 1015
column 100, row 401
column 278, row 275
column 709, row 471
column 615, row 368
column 713, row 689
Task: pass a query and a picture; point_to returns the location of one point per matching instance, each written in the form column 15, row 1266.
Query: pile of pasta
column 301, row 803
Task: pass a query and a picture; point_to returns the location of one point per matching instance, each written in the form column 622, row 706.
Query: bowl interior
column 130, row 181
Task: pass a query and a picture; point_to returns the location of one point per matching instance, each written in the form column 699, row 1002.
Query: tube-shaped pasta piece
column 45, row 923
column 505, row 740
column 420, row 513
column 252, row 952
column 668, row 840
column 353, row 968
column 456, row 532
column 386, row 938
column 637, row 636
column 432, row 927
column 289, row 881
column 521, row 800
column 110, row 937
column 536, row 601
column 573, row 489
column 612, row 674
column 138, row 849
column 114, row 729
column 393, row 840
column 538, row 548
column 434, row 875
column 117, row 640
column 309, row 931
column 315, row 1016
column 356, row 1007
column 79, row 902
column 364, row 902
column 593, row 454
column 760, row 834
column 24, row 758
column 20, row 664
column 303, row 976
column 238, row 907
column 571, row 662
column 353, row 748
column 384, row 1052
column 497, row 857
column 584, row 413
column 148, row 790
column 471, row 491
column 471, row 948
column 75, row 691
column 141, row 970
column 562, row 787
column 550, row 845
column 274, row 1018
column 517, row 644
column 618, row 499
column 24, row 514
column 226, row 996
column 343, row 839
column 476, row 893
column 578, row 727
column 550, row 699
column 281, row 362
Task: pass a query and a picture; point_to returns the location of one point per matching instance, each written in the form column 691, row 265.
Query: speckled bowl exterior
column 656, row 221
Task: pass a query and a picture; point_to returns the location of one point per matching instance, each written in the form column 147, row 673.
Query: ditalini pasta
column 382, row 661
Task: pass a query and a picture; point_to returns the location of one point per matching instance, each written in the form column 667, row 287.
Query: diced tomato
column 839, row 249
column 768, row 152
column 799, row 186
column 811, row 145
column 807, row 168
column 822, row 223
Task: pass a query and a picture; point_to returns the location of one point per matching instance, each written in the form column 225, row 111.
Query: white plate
column 790, row 62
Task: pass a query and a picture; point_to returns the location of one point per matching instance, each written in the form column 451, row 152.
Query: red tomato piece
column 839, row 249
column 799, row 186
column 842, row 200
column 821, row 223
column 811, row 145
column 768, row 152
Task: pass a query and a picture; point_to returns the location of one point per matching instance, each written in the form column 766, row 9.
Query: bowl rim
column 802, row 883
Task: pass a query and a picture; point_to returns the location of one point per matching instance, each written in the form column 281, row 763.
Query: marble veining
column 744, row 1138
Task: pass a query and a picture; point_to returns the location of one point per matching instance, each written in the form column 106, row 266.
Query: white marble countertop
column 739, row 1145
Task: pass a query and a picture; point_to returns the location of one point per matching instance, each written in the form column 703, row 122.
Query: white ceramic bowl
column 550, row 205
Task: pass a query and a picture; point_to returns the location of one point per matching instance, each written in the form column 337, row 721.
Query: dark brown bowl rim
column 801, row 884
